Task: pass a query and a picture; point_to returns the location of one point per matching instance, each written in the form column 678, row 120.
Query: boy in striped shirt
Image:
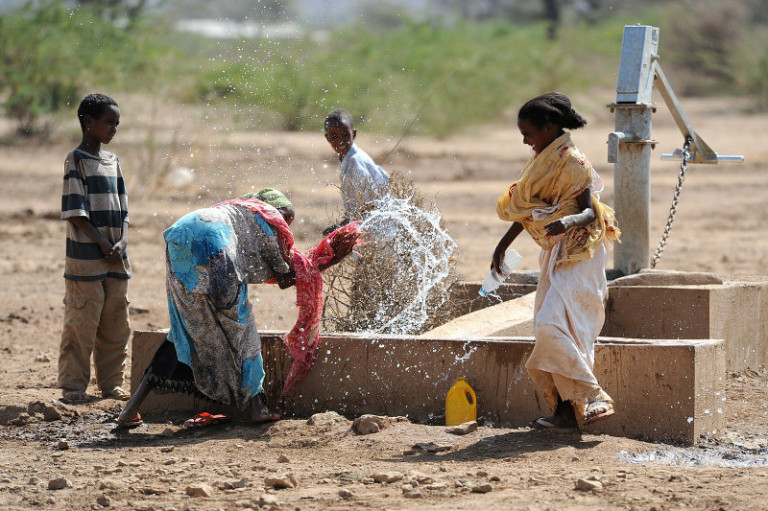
column 96, row 271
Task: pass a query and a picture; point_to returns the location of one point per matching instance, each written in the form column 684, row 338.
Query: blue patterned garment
column 212, row 255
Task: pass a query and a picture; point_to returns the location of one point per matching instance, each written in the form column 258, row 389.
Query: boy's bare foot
column 74, row 396
column 260, row 412
column 117, row 392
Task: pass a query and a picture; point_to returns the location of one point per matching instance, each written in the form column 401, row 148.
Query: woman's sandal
column 597, row 411
column 134, row 422
column 206, row 419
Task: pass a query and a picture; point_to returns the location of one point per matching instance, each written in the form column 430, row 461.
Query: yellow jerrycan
column 460, row 404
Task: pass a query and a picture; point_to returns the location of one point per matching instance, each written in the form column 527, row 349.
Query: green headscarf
column 271, row 197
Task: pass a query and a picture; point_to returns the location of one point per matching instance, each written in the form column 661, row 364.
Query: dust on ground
column 721, row 227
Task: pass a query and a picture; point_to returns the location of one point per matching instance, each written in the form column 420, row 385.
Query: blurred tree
column 383, row 15
column 552, row 13
column 704, row 42
column 49, row 53
column 268, row 11
column 117, row 10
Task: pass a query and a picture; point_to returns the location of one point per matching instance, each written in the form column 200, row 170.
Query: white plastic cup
column 494, row 279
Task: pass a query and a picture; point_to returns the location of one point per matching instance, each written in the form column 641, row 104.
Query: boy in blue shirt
column 94, row 204
column 362, row 181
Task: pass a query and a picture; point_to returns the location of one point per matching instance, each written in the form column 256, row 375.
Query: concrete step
column 664, row 390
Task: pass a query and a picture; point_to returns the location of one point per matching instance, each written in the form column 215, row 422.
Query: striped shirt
column 94, row 189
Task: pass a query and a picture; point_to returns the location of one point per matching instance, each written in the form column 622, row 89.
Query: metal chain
column 675, row 200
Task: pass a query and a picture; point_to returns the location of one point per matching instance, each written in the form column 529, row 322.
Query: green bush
column 51, row 54
column 437, row 79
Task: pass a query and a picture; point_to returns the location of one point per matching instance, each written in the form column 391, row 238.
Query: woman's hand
column 559, row 226
column 503, row 244
column 342, row 245
column 498, row 257
column 585, row 215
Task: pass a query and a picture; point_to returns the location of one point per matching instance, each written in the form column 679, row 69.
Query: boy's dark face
column 340, row 136
column 104, row 128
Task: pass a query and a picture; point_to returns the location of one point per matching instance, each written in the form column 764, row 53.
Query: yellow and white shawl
column 547, row 190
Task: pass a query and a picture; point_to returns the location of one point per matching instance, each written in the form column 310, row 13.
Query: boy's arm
column 117, row 251
column 86, row 227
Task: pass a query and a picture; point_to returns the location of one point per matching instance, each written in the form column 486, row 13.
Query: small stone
column 42, row 358
column 199, row 490
column 462, row 429
column 108, row 484
column 431, row 447
column 326, row 419
column 437, row 486
column 368, row 424
column 152, row 490
column 242, row 483
column 169, row 448
column 481, row 487
column 62, row 445
column 412, row 494
column 103, row 501
column 281, row 481
column 586, row 484
column 420, row 478
column 59, row 483
column 283, row 459
column 346, row 494
column 387, row 477
column 33, row 481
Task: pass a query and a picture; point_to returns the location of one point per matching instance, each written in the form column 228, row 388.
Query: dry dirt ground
column 722, row 227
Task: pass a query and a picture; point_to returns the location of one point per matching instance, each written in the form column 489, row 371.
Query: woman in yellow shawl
column 556, row 200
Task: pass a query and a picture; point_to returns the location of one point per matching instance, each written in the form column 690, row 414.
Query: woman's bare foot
column 123, row 421
column 260, row 412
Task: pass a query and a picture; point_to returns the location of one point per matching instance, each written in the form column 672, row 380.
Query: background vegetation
column 433, row 75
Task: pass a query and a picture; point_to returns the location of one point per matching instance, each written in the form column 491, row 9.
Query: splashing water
column 402, row 274
column 413, row 236
column 720, row 456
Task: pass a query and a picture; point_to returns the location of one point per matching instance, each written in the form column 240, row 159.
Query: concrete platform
column 665, row 390
column 510, row 318
column 734, row 311
column 649, row 305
